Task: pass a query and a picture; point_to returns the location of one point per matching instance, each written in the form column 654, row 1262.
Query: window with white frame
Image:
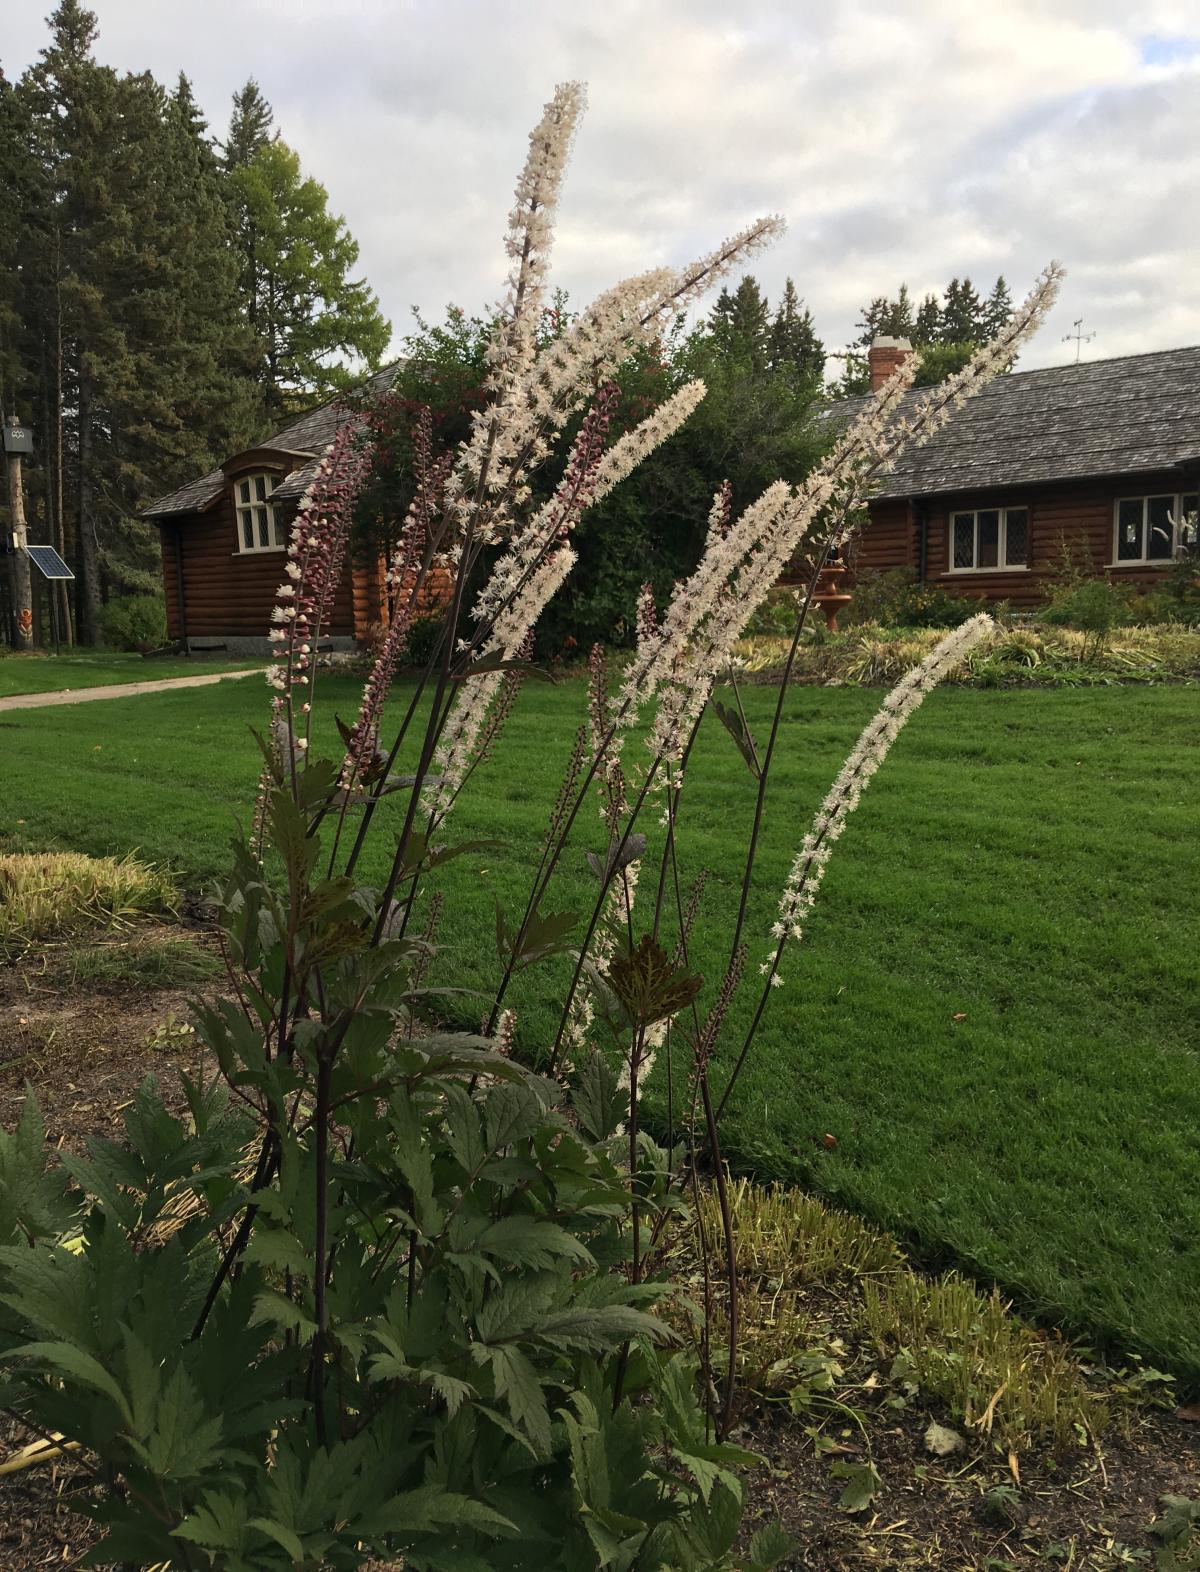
column 989, row 540
column 1153, row 529
column 258, row 529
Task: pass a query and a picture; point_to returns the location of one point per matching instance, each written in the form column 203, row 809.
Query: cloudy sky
column 902, row 139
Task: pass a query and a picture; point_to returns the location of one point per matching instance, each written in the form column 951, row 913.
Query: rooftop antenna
column 1081, row 338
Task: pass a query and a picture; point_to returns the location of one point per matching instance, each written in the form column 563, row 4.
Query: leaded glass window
column 991, row 540
column 1016, row 537
column 258, row 528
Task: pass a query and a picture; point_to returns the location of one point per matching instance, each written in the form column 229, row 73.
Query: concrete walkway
column 120, row 690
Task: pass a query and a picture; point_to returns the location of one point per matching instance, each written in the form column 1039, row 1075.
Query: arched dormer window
column 257, row 527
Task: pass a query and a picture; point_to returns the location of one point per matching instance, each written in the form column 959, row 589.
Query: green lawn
column 1027, row 861
column 40, row 673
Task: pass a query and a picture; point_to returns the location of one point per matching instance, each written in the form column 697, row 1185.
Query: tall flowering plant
column 415, row 1273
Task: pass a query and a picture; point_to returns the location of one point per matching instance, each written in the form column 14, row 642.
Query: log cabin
column 1097, row 463
column 224, row 536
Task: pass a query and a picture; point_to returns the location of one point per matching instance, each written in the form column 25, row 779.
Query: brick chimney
column 884, row 355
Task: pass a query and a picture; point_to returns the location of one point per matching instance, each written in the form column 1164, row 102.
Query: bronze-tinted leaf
column 649, row 986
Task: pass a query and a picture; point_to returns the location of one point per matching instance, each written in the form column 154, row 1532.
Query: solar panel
column 48, row 562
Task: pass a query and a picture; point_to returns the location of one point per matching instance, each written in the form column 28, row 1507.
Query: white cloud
column 914, row 141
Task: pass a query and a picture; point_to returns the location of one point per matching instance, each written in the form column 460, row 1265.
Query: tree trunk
column 89, row 555
column 66, row 610
column 18, row 562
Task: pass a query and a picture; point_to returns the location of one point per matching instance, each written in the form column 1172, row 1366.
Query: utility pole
column 17, row 442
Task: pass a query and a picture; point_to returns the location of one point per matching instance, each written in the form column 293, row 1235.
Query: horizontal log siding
column 888, row 541
column 228, row 593
column 1078, row 515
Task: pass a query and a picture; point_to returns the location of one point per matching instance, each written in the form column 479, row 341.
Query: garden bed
column 843, row 1408
column 1014, row 655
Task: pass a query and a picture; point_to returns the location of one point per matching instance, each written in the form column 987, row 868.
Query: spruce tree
column 873, row 322
column 886, row 318
column 75, row 141
column 144, row 365
column 722, row 311
column 12, row 239
column 928, row 321
column 997, row 308
column 900, row 320
column 249, row 126
column 191, row 117
column 741, row 322
column 793, row 340
column 962, row 314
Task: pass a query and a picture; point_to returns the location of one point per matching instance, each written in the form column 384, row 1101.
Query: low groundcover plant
column 392, row 1290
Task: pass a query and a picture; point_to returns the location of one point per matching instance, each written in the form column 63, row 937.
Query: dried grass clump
column 784, row 1233
column 951, row 1342
column 50, row 894
column 995, row 1372
column 787, row 1244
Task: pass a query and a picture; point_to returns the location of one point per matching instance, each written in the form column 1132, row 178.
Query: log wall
column 227, row 593
column 1078, row 515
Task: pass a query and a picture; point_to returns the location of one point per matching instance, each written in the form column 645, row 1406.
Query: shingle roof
column 1125, row 416
column 307, row 436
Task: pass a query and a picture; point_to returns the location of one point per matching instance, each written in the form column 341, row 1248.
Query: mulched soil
column 1087, row 1509
column 86, row 1052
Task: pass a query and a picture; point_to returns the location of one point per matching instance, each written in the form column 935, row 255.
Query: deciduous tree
column 312, row 322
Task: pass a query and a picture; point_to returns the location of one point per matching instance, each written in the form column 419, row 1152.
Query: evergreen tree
column 70, row 103
column 873, row 322
column 132, row 302
column 997, row 308
column 793, row 338
column 886, row 318
column 962, row 314
column 12, row 156
column 751, row 313
column 306, row 313
column 939, row 361
column 900, row 321
column 249, row 126
column 928, row 321
column 192, row 118
column 741, row 322
column 722, row 312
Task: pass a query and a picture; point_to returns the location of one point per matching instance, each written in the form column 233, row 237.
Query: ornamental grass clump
column 414, row 1305
column 45, row 895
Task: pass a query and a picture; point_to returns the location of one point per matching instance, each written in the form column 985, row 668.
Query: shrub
column 423, row 635
column 1175, row 601
column 134, row 622
column 894, row 599
column 48, row 894
column 1092, row 606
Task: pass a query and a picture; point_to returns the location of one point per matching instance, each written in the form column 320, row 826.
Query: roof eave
column 903, row 493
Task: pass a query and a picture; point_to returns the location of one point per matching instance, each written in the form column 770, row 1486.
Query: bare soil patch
column 967, row 1513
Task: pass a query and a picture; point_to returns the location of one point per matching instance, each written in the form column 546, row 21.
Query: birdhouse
column 17, row 438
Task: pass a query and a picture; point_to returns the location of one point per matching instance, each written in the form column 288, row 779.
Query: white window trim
column 1176, row 519
column 1001, row 544
column 240, row 507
